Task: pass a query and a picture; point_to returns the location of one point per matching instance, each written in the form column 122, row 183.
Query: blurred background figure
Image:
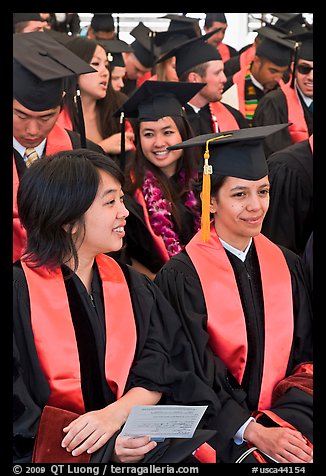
column 218, row 20
column 101, row 27
column 28, row 22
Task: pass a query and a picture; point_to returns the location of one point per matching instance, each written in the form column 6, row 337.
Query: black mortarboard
column 192, row 53
column 274, row 47
column 156, row 99
column 305, row 47
column 59, row 36
column 166, row 40
column 143, row 47
column 114, row 50
column 182, row 22
column 102, row 22
column 39, row 65
column 287, row 21
column 236, row 153
column 220, row 17
column 19, row 17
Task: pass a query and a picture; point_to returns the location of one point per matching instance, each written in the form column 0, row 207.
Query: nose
column 253, row 203
column 32, row 127
column 123, row 211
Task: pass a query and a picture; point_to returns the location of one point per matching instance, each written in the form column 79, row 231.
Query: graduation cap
column 288, row 21
column 20, row 17
column 102, row 22
column 40, row 64
column 114, row 50
column 304, row 40
column 236, row 153
column 156, row 99
column 144, row 47
column 212, row 17
column 192, row 53
column 275, row 47
column 166, row 40
column 303, row 48
column 182, row 22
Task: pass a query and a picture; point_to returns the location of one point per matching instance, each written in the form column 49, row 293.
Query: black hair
column 188, row 162
column 53, row 196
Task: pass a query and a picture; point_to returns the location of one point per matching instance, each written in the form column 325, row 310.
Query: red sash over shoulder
column 57, row 140
column 224, row 52
column 225, row 318
column 225, row 120
column 55, row 338
column 298, row 129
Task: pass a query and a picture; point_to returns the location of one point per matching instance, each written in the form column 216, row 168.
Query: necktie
column 311, row 107
column 31, row 155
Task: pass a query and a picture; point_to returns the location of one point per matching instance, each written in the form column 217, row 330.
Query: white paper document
column 163, row 421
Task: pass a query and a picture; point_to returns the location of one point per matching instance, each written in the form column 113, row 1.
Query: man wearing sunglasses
column 293, row 101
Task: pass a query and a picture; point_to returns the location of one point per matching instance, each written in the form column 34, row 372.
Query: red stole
column 57, row 140
column 223, row 120
column 224, row 51
column 226, row 321
column 55, row 338
column 158, row 240
column 298, row 129
column 247, row 56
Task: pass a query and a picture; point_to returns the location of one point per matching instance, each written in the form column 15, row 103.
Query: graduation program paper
column 163, row 421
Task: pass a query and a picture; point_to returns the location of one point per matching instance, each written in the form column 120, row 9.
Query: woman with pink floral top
column 164, row 213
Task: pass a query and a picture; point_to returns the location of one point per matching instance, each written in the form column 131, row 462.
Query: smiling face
column 104, row 220
column 239, row 209
column 155, row 137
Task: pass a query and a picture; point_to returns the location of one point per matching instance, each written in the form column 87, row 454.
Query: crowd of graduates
column 162, row 238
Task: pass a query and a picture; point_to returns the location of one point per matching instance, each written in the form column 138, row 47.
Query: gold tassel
column 206, row 191
column 206, row 197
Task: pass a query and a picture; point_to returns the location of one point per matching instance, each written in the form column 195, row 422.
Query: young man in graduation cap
column 40, row 65
column 247, row 298
column 198, row 61
column 218, row 20
column 28, row 22
column 101, row 27
column 140, row 61
column 264, row 73
column 293, row 101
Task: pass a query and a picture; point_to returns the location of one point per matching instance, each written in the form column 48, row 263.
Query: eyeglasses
column 304, row 68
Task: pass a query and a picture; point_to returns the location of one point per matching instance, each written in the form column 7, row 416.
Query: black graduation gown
column 273, row 109
column 180, row 283
column 201, row 121
column 160, row 341
column 139, row 241
column 289, row 219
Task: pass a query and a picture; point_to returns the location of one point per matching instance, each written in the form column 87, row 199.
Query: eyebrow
column 241, row 187
column 107, row 192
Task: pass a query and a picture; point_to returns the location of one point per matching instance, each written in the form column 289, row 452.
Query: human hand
column 285, row 445
column 132, row 450
column 91, row 431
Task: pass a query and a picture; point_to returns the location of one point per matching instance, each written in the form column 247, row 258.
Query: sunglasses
column 304, row 68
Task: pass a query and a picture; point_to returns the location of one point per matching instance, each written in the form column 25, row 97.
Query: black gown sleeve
column 272, row 109
column 289, row 219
